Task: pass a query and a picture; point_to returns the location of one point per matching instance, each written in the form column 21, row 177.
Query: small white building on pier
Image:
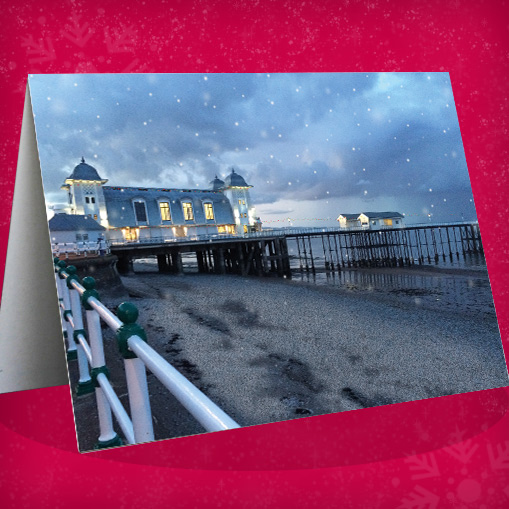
column 371, row 220
column 74, row 228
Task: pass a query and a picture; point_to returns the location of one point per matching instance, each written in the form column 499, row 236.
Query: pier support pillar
column 176, row 261
column 201, row 264
column 162, row 263
column 219, row 261
column 124, row 265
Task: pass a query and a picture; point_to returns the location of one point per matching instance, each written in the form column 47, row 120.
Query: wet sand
column 268, row 350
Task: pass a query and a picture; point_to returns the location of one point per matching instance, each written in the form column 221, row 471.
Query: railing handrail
column 122, row 416
column 276, row 232
column 206, row 412
column 80, row 247
column 196, row 402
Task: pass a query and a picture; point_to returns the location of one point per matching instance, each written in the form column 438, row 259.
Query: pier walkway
column 270, row 252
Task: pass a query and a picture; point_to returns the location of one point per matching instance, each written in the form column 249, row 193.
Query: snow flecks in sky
column 293, row 137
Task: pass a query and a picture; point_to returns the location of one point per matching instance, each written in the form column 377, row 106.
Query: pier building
column 69, row 228
column 371, row 220
column 165, row 213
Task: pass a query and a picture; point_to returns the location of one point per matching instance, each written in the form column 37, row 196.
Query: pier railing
column 275, row 232
column 80, row 248
column 85, row 344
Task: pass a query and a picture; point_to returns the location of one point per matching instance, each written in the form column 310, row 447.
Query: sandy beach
column 268, row 349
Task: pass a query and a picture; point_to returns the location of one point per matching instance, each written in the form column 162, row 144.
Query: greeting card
column 227, row 250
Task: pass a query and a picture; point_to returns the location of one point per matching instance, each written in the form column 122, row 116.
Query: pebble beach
column 269, row 349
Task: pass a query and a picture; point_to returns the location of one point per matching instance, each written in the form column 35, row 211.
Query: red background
column 443, row 452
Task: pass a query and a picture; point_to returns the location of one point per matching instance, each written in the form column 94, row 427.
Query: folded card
column 239, row 249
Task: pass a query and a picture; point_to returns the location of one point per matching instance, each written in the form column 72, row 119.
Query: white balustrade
column 85, row 381
column 207, row 413
column 138, row 356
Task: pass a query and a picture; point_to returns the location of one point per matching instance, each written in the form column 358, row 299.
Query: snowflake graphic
column 83, row 47
column 499, row 458
column 469, row 475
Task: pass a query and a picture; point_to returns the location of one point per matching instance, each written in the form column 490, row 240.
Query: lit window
column 95, row 217
column 230, row 228
column 209, row 211
column 188, row 211
column 240, row 202
column 221, row 229
column 164, row 207
column 388, row 222
column 130, row 233
column 140, row 211
column 243, row 202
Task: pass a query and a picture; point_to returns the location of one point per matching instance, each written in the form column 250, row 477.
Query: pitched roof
column 73, row 222
column 382, row 215
column 349, row 217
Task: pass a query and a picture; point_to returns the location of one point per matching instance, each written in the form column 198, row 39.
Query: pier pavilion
column 166, row 213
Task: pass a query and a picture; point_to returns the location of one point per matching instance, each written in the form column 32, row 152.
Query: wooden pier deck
column 244, row 256
column 312, row 250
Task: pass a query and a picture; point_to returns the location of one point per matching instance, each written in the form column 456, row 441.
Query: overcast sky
column 311, row 145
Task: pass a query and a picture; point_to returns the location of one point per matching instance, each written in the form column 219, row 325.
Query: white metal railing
column 170, row 240
column 80, row 248
column 86, row 345
column 274, row 232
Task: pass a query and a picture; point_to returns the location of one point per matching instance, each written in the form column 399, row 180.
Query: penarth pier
column 267, row 253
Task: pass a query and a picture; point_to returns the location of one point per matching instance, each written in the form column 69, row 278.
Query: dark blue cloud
column 325, row 139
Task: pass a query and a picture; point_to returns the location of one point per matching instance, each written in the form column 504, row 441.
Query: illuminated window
column 209, row 211
column 187, row 207
column 230, row 228
column 130, row 233
column 221, row 228
column 140, row 211
column 243, row 202
column 240, row 202
column 164, row 208
column 95, row 217
column 388, row 222
column 245, row 228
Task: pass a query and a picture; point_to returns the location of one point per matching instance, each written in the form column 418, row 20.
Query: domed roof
column 216, row 184
column 84, row 172
column 235, row 180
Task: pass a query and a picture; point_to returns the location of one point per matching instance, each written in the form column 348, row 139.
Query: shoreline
column 441, row 289
column 270, row 349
